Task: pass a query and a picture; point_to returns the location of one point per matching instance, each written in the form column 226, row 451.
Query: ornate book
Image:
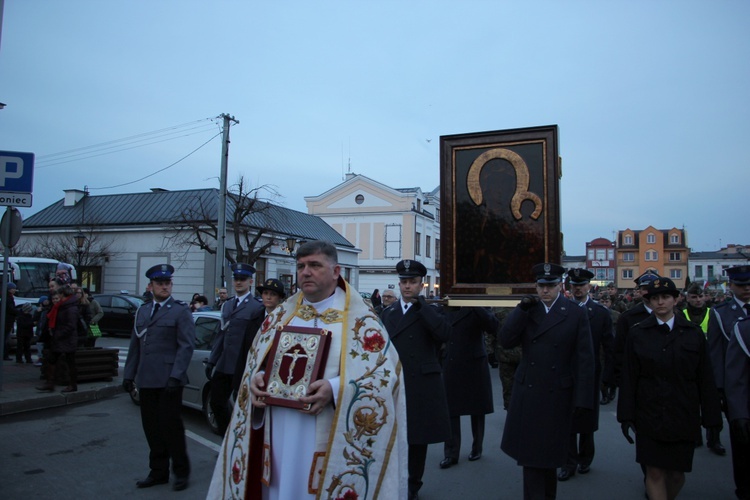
column 297, row 359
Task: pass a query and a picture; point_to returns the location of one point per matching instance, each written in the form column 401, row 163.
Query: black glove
column 173, row 387
column 723, row 401
column 210, row 370
column 741, row 427
column 420, row 303
column 626, row 427
column 128, row 385
column 528, row 302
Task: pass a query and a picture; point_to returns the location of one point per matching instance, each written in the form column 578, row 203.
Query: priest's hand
column 319, row 395
column 257, row 390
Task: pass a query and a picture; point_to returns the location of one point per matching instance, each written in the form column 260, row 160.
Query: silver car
column 196, row 393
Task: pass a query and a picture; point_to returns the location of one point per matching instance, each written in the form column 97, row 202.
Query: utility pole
column 221, row 228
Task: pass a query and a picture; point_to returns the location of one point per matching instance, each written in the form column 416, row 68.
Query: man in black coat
column 581, row 448
column 418, row 330
column 554, row 380
column 466, row 373
column 720, row 326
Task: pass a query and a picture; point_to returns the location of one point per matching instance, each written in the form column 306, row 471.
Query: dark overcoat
column 667, row 384
column 737, row 384
column 600, row 323
column 466, row 371
column 161, row 345
column 556, row 375
column 626, row 320
column 65, row 332
column 228, row 343
column 720, row 324
column 418, row 336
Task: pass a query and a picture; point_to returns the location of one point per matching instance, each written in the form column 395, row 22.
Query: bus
column 33, row 274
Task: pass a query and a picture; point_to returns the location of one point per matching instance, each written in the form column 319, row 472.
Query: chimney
column 72, row 197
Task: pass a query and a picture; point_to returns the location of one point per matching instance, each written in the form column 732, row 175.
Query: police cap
column 242, row 270
column 411, row 269
column 739, row 275
column 548, row 273
column 579, row 276
column 160, row 272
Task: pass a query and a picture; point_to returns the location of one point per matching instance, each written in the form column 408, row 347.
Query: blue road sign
column 16, row 172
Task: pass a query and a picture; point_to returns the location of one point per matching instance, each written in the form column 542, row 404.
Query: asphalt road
column 97, row 450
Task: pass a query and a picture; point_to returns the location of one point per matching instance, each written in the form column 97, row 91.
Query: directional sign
column 16, row 178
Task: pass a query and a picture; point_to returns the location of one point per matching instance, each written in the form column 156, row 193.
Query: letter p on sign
column 11, row 167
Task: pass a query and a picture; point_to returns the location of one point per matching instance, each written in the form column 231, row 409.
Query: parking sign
column 16, row 178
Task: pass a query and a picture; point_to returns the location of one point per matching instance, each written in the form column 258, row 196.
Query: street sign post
column 16, row 178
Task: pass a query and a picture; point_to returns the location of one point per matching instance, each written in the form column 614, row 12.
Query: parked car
column 119, row 312
column 197, row 392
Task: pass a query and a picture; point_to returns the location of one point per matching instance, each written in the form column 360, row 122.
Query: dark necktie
column 747, row 309
column 665, row 328
column 236, row 302
column 156, row 309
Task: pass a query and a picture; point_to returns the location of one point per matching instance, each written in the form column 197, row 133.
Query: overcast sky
column 651, row 98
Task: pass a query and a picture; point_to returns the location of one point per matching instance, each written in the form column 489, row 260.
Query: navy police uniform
column 235, row 316
column 581, row 447
column 161, row 347
column 418, row 336
column 554, row 379
column 721, row 325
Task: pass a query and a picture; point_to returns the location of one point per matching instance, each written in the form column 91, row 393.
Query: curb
column 59, row 399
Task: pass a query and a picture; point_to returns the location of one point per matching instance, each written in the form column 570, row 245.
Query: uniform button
column 529, row 385
column 533, row 363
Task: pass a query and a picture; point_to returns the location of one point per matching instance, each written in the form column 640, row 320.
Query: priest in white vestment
column 351, row 442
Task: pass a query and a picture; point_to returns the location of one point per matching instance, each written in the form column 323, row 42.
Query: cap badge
column 547, row 268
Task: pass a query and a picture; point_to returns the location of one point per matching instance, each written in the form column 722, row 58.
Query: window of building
column 628, row 257
column 710, row 271
column 393, row 241
column 652, row 255
column 600, row 273
column 674, row 238
column 590, row 254
column 675, row 256
column 417, row 243
column 611, row 274
column 427, row 247
column 651, row 238
column 675, row 274
column 419, row 205
column 437, row 215
column 628, row 239
column 359, row 199
column 437, row 251
column 601, row 254
column 627, row 274
column 698, row 271
column 611, row 254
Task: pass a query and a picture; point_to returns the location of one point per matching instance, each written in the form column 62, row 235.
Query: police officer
column 236, row 313
column 581, row 447
column 720, row 327
column 554, row 380
column 737, row 387
column 418, row 330
column 161, row 347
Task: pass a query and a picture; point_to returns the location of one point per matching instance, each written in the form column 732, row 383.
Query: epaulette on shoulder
column 181, row 302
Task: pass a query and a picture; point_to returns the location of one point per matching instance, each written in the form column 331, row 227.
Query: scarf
column 52, row 314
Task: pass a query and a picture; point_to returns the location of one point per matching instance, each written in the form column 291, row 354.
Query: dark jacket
column 556, row 375
column 466, row 371
column 624, row 323
column 600, row 323
column 65, row 332
column 720, row 325
column 418, row 336
column 667, row 381
column 256, row 321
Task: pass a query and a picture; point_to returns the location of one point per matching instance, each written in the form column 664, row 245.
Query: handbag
column 95, row 331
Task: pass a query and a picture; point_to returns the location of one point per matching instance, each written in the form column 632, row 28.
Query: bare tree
column 249, row 223
column 62, row 246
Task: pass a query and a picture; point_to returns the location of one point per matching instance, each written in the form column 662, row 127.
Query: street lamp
column 80, row 241
column 291, row 242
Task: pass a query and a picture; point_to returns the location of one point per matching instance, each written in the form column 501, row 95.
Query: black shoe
column 151, row 481
column 718, row 448
column 180, row 484
column 475, row 456
column 447, row 462
column 605, row 400
column 583, row 469
column 565, row 474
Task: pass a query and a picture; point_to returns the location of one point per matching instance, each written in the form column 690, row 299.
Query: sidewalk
column 18, row 392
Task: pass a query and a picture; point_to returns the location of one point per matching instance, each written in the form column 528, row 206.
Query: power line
column 129, row 138
column 160, row 170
